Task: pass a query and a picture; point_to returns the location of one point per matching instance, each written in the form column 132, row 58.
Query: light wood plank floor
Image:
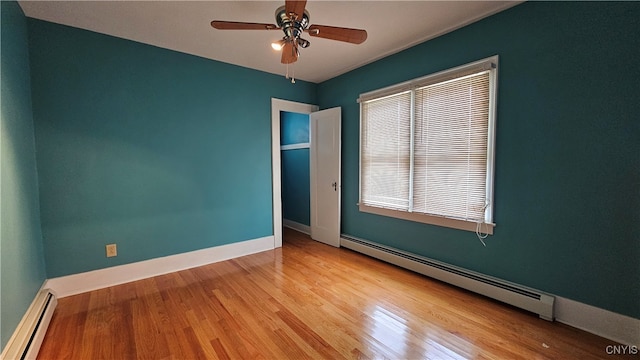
column 305, row 300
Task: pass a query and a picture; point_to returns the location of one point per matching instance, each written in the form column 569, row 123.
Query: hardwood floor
column 304, row 300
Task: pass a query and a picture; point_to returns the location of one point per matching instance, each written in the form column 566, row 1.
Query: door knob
column 335, row 186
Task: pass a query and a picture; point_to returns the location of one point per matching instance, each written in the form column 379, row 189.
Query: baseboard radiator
column 27, row 338
column 510, row 293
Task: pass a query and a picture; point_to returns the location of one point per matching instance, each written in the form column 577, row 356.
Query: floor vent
column 510, row 293
column 26, row 340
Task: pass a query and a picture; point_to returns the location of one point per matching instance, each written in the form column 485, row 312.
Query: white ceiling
column 184, row 26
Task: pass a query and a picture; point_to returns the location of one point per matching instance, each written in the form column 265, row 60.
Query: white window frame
column 485, row 226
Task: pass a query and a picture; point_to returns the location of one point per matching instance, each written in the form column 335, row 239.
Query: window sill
column 429, row 219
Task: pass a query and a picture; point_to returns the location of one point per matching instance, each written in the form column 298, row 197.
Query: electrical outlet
column 112, row 250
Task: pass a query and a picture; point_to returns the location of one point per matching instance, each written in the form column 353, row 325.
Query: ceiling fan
column 293, row 20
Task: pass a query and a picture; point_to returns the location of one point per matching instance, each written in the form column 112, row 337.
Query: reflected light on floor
column 437, row 349
column 391, row 331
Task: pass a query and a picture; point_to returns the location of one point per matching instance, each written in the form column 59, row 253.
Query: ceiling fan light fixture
column 278, row 45
column 303, row 43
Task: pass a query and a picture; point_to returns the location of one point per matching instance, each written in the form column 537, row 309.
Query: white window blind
column 427, row 148
column 386, row 151
column 451, row 125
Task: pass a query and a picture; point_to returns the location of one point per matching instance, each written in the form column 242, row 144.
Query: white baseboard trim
column 306, row 229
column 102, row 278
column 607, row 324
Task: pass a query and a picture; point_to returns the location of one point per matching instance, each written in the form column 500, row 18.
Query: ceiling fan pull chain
column 293, row 73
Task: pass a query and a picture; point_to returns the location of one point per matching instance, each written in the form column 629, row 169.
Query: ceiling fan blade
column 354, row 36
column 289, row 53
column 232, row 25
column 295, row 6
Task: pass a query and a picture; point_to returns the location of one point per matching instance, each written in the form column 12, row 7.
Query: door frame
column 278, row 105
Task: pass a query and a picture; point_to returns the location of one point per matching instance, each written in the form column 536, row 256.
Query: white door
column 324, row 135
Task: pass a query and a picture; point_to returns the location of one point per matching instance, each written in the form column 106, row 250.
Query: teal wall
column 22, row 270
column 154, row 150
column 295, row 168
column 294, row 128
column 567, row 188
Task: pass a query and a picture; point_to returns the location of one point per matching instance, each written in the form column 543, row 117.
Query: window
column 426, row 148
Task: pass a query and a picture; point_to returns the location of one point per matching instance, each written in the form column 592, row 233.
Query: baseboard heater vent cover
column 510, row 293
column 27, row 338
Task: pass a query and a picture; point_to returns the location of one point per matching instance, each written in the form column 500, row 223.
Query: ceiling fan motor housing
column 292, row 25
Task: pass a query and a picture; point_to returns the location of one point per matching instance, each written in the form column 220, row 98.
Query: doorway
column 325, row 212
column 295, row 156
